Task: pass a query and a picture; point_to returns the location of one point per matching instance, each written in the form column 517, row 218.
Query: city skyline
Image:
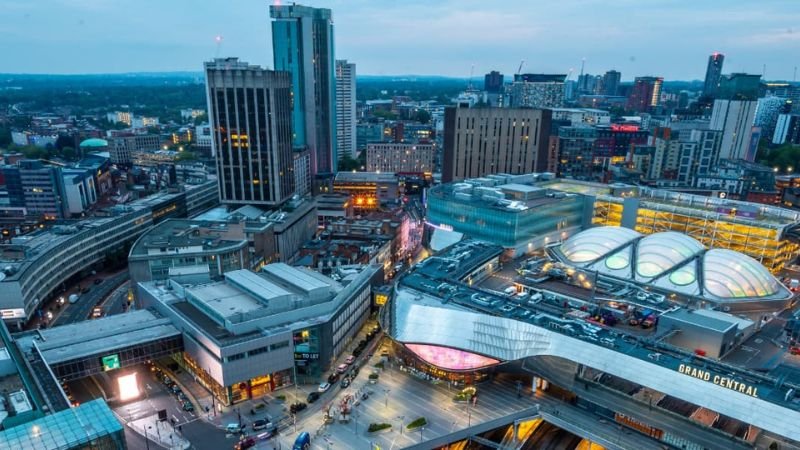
column 414, row 38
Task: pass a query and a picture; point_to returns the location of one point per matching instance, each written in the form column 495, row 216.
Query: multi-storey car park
column 524, row 212
column 692, row 378
column 33, row 267
column 766, row 233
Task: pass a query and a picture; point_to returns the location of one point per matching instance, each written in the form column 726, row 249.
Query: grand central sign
column 719, row 380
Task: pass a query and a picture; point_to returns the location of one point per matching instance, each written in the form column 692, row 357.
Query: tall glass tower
column 302, row 44
column 713, row 74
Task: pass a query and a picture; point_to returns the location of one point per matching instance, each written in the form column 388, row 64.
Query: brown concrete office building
column 484, row 141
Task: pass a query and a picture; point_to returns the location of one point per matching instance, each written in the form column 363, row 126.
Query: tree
column 347, row 163
column 422, row 116
column 69, row 154
column 201, row 119
column 384, row 114
column 64, row 141
column 5, row 137
column 186, row 156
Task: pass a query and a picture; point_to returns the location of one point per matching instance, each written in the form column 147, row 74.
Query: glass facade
column 91, row 425
column 500, row 225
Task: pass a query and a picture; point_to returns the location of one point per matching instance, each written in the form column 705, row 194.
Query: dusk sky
column 386, row 37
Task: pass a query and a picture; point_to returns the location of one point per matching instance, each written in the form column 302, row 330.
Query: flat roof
column 224, row 300
column 702, row 320
column 74, row 341
column 303, row 280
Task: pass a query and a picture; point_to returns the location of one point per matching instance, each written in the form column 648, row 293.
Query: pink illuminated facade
column 450, row 358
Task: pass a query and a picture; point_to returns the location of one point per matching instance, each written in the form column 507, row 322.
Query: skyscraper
column 645, row 94
column 345, row 108
column 493, row 82
column 249, row 109
column 611, row 82
column 713, row 74
column 302, row 44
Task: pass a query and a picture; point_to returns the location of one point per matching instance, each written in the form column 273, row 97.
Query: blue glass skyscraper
column 302, row 44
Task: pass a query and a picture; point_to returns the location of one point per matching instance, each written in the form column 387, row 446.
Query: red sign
column 624, row 128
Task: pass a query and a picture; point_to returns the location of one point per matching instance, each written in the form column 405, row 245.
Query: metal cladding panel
column 419, row 321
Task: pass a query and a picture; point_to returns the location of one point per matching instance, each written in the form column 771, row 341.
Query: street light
column 401, row 418
column 386, row 391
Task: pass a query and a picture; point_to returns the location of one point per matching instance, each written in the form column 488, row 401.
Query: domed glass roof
column 730, row 274
column 94, row 142
column 672, row 261
column 660, row 252
column 596, row 242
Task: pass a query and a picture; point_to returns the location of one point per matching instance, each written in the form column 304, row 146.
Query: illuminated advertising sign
column 110, row 362
column 624, row 128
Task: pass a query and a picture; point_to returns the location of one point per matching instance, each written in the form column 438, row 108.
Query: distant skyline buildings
column 713, row 74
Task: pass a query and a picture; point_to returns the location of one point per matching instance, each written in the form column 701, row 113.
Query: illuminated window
column 450, row 358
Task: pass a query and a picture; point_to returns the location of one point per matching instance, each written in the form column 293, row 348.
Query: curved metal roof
column 730, row 274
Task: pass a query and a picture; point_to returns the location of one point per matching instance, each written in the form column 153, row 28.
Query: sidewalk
column 159, row 432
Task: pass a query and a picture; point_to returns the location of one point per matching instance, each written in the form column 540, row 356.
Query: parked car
column 297, row 407
column 342, row 368
column 312, row 397
column 260, row 424
column 345, row 383
column 188, row 406
column 98, row 280
column 333, row 378
column 323, row 387
column 176, row 390
column 350, row 360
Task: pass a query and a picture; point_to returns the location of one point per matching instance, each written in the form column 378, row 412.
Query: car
column 794, row 350
column 323, row 387
column 297, row 407
column 98, row 280
column 260, row 424
column 342, row 368
column 245, row 443
column 303, row 441
column 73, row 298
column 188, row 406
column 345, row 383
column 333, row 378
column 357, row 352
column 176, row 390
column 86, row 289
column 182, row 397
column 234, row 428
column 312, row 397
column 350, row 360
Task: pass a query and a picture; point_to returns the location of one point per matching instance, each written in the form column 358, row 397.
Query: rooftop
column 68, row 342
column 179, row 236
column 365, row 177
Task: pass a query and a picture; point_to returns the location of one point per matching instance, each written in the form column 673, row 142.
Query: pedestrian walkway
column 160, row 432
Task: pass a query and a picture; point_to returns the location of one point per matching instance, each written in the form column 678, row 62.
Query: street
column 86, row 302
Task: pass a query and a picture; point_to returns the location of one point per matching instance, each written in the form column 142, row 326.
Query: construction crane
column 519, row 69
column 569, row 75
column 469, row 81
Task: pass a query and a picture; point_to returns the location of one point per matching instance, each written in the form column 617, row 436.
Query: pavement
column 159, row 432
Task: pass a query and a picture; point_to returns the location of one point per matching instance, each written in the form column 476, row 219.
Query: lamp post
column 420, row 434
column 400, row 419
column 386, row 403
column 146, row 439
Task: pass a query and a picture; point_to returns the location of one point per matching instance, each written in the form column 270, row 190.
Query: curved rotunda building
column 673, row 262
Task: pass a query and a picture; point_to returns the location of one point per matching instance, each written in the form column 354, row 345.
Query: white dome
column 730, row 274
column 595, row 243
column 659, row 252
column 672, row 261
